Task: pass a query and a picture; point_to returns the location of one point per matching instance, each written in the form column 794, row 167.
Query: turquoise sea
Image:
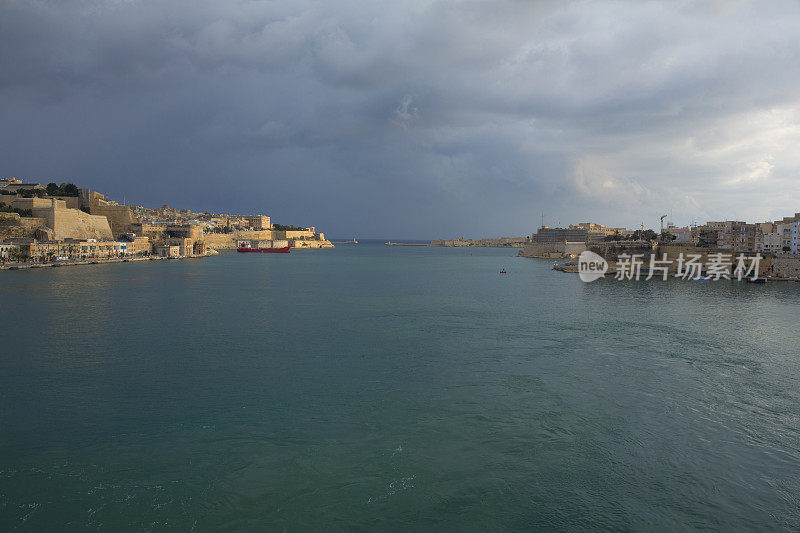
column 394, row 388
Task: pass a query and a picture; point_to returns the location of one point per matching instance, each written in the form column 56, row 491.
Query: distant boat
column 756, row 280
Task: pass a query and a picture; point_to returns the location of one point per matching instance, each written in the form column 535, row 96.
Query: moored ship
column 263, row 246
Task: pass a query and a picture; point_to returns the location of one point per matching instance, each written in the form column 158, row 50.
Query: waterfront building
column 788, row 229
column 768, row 238
column 738, row 236
column 185, row 245
column 546, row 234
column 707, row 236
column 149, row 230
column 791, row 235
column 734, row 235
column 168, row 251
column 6, row 249
column 598, row 232
column 92, row 249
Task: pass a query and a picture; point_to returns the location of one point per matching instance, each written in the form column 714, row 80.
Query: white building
column 5, row 250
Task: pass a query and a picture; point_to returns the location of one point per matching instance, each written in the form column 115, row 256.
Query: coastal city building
column 258, row 222
column 598, row 232
column 779, row 241
column 546, row 234
column 584, row 232
column 65, row 223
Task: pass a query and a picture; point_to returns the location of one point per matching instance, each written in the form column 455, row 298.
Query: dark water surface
column 394, row 388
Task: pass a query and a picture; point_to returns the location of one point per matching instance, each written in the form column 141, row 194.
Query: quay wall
column 302, row 243
column 767, row 264
column 227, row 241
column 787, row 266
column 552, row 249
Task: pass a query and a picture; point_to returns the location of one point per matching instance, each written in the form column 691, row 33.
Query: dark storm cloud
column 417, row 119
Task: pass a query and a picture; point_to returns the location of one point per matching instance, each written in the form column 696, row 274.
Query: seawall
column 227, row 241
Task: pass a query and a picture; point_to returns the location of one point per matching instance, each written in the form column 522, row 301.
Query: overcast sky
column 416, row 119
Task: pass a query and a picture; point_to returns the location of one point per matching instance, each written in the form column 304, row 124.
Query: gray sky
column 413, row 119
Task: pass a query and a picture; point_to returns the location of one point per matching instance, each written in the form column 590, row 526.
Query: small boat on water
column 756, row 280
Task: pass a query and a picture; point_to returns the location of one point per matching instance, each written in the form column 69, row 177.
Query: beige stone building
column 598, row 232
column 769, row 238
column 168, row 251
column 6, row 250
column 257, row 222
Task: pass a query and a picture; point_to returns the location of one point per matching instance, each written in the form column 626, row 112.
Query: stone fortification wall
column 74, row 223
column 12, row 226
column 120, row 217
column 303, row 234
column 787, row 266
column 302, row 243
column 552, row 249
column 227, row 241
column 70, row 202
